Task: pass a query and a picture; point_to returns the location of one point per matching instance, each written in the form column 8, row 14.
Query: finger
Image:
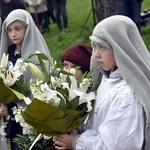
column 55, row 138
column 4, row 113
column 59, row 143
column 4, row 109
column 62, row 136
column 1, row 107
column 60, row 146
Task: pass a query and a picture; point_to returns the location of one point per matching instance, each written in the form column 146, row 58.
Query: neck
column 18, row 47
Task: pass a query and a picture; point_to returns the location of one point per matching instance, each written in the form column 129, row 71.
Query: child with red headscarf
column 77, row 55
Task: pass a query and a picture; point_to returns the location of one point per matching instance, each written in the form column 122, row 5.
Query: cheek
column 66, row 69
column 9, row 34
column 23, row 34
column 112, row 62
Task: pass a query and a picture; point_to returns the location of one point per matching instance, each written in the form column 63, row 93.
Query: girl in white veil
column 120, row 119
column 32, row 40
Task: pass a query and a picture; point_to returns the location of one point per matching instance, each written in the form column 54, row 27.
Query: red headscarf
column 79, row 55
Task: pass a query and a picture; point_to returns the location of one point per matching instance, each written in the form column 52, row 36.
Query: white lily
column 4, row 60
column 20, row 65
column 36, row 71
column 37, row 52
column 27, row 100
column 65, row 85
column 10, row 76
column 84, row 97
column 84, row 84
column 73, row 82
column 87, row 97
column 73, row 71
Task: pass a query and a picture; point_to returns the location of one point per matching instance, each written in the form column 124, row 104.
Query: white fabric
column 117, row 120
column 33, row 39
column 3, row 143
column 41, row 8
column 132, row 58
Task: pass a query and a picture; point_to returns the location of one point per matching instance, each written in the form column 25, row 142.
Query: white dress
column 41, row 8
column 116, row 122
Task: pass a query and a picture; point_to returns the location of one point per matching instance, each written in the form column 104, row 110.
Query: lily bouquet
column 60, row 102
column 11, row 80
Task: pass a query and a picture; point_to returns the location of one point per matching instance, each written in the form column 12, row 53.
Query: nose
column 96, row 54
column 13, row 33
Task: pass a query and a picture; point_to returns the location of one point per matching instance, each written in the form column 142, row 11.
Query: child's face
column 68, row 65
column 16, row 32
column 105, row 57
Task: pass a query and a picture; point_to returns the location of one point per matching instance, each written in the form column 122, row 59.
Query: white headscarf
column 131, row 56
column 33, row 39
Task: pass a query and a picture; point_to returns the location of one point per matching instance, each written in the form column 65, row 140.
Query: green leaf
column 36, row 71
column 42, row 57
column 9, row 95
column 23, row 141
column 1, row 80
column 62, row 104
column 89, row 74
column 26, row 59
column 68, row 80
column 21, row 86
column 73, row 104
column 82, row 107
column 65, row 72
column 64, row 92
column 46, row 119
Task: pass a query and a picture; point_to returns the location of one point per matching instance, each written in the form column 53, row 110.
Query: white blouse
column 116, row 122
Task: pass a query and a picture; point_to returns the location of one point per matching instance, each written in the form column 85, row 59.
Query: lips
column 100, row 62
column 14, row 40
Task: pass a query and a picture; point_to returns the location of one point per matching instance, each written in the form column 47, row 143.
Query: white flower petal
column 73, row 71
column 4, row 60
column 27, row 100
column 73, row 82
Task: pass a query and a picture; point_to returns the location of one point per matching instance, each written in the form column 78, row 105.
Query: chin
column 105, row 69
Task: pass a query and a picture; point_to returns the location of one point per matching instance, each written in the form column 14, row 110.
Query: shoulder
column 125, row 96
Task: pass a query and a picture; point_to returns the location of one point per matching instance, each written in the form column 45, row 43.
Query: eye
column 9, row 30
column 18, row 28
column 100, row 47
column 65, row 65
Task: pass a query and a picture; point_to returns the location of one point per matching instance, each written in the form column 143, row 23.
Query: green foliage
column 78, row 11
column 58, row 41
column 70, row 96
column 24, row 143
column 73, row 104
column 146, row 29
column 21, row 86
column 145, row 5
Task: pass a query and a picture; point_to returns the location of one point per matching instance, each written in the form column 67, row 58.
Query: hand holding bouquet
column 61, row 103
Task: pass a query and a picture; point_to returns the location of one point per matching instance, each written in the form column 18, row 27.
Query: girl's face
column 67, row 65
column 16, row 32
column 105, row 57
